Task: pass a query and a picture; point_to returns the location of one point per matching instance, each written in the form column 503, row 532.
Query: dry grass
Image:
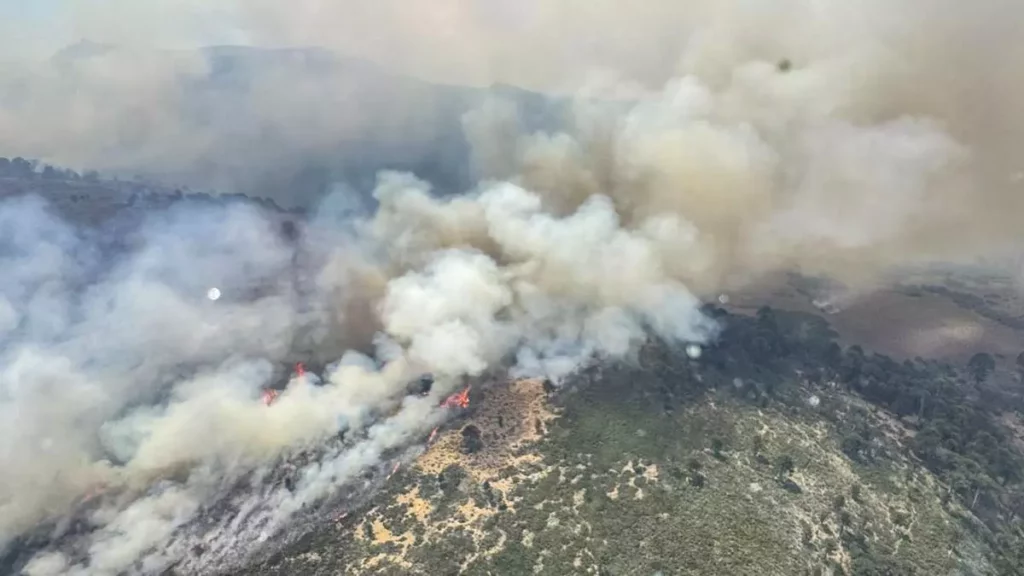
column 512, row 419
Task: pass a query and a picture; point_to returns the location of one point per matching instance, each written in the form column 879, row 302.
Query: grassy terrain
column 722, row 466
column 601, row 500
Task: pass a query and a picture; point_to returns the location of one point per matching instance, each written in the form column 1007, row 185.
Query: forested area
column 96, row 192
column 653, row 463
column 955, row 413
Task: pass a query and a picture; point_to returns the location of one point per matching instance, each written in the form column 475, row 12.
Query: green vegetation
column 61, row 184
column 725, row 465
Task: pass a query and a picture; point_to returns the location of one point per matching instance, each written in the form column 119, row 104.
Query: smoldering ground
column 843, row 140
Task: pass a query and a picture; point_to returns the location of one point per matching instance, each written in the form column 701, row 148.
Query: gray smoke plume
column 124, row 379
column 728, row 141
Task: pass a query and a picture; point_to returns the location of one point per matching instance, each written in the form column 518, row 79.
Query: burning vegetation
column 457, row 400
column 269, row 396
column 654, row 463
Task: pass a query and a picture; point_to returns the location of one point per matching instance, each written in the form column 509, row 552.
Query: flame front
column 395, row 469
column 457, row 400
column 269, row 395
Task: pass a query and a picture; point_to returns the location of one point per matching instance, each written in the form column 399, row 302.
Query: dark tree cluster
column 471, row 440
column 960, row 436
column 31, row 169
column 140, row 194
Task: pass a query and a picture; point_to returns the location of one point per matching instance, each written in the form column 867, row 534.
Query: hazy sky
column 38, row 28
column 424, row 37
column 29, row 27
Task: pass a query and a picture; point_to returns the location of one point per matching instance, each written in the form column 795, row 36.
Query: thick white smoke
column 873, row 146
column 143, row 380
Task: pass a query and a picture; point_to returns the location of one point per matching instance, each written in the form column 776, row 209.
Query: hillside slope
column 795, row 444
column 287, row 124
column 770, row 454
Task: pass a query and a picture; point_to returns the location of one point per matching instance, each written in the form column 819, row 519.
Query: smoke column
column 705, row 146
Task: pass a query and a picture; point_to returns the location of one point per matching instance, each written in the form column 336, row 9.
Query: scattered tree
column 855, row 492
column 980, row 366
column 716, row 448
column 784, row 466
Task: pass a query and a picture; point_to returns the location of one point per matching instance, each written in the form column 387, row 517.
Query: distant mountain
column 289, row 123
column 90, row 202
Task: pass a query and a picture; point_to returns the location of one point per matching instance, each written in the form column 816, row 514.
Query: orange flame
column 269, row 395
column 300, row 369
column 393, row 470
column 433, row 435
column 457, row 400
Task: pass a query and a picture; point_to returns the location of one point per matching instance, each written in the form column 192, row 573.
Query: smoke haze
column 696, row 148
